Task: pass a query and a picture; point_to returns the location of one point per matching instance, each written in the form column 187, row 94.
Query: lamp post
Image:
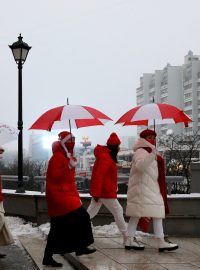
column 20, row 51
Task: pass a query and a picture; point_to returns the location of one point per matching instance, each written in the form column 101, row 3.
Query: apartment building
column 191, row 90
column 175, row 85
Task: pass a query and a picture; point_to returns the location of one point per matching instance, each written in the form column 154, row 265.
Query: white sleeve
column 1, row 207
column 143, row 159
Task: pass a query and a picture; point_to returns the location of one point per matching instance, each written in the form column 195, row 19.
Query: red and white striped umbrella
column 70, row 116
column 153, row 113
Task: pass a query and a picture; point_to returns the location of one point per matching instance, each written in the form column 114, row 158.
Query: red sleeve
column 99, row 173
column 57, row 168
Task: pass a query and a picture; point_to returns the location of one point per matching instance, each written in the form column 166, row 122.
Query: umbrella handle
column 70, row 128
column 154, row 122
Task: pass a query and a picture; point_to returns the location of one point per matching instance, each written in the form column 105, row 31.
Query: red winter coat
column 104, row 174
column 61, row 193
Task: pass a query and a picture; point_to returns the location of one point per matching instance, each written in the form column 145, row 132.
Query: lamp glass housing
column 20, row 50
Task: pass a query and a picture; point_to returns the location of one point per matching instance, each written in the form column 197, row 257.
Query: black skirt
column 70, row 232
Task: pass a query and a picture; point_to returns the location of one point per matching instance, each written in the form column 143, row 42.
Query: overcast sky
column 91, row 51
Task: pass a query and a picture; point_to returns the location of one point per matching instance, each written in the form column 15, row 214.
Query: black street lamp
column 20, row 51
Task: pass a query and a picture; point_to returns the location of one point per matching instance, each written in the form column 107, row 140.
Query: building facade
column 175, row 85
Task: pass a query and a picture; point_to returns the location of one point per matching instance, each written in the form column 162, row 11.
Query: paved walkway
column 16, row 259
column 111, row 255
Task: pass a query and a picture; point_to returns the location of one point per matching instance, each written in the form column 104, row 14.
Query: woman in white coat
column 5, row 235
column 146, row 195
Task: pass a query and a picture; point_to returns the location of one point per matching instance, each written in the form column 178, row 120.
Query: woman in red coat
column 70, row 226
column 103, row 186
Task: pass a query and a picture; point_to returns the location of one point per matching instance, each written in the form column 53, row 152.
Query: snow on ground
column 106, row 230
column 111, row 230
column 20, row 227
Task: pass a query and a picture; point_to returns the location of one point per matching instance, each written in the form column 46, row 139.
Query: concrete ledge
column 35, row 248
column 184, row 218
column 75, row 262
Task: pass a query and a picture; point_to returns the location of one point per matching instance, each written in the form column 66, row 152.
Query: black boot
column 2, row 256
column 84, row 251
column 49, row 261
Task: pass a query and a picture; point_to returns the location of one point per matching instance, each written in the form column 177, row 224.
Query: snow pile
column 20, row 227
column 106, row 230
column 44, row 228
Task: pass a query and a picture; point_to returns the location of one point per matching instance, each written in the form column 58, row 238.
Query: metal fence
column 175, row 184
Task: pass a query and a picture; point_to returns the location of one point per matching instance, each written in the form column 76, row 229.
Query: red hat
column 65, row 136
column 113, row 139
column 147, row 132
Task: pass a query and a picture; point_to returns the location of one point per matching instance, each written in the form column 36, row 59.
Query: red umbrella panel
column 70, row 116
column 154, row 113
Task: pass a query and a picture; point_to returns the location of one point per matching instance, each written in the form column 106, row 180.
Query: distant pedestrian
column 70, row 226
column 5, row 234
column 147, row 195
column 103, row 185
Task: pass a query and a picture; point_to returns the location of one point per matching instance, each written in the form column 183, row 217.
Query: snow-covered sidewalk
column 20, row 227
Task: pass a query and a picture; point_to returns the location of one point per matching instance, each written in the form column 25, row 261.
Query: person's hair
column 114, row 149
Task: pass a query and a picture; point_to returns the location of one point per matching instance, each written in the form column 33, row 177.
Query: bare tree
column 30, row 168
column 179, row 151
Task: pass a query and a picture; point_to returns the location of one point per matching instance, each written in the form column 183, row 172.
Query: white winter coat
column 5, row 235
column 143, row 197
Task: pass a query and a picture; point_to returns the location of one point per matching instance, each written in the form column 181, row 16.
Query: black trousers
column 69, row 233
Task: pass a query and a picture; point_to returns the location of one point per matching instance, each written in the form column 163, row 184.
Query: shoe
column 51, row 262
column 166, row 245
column 133, row 243
column 85, row 251
column 2, row 256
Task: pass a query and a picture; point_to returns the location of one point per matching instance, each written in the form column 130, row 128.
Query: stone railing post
column 195, row 177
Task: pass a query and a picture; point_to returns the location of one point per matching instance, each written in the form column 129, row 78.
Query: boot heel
column 127, row 247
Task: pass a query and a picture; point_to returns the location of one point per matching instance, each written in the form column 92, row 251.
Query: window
column 163, row 91
column 188, row 95
column 152, row 94
column 138, row 89
column 189, row 112
column 188, row 73
column 164, row 99
column 152, row 84
column 187, row 86
column 188, row 103
column 140, row 96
